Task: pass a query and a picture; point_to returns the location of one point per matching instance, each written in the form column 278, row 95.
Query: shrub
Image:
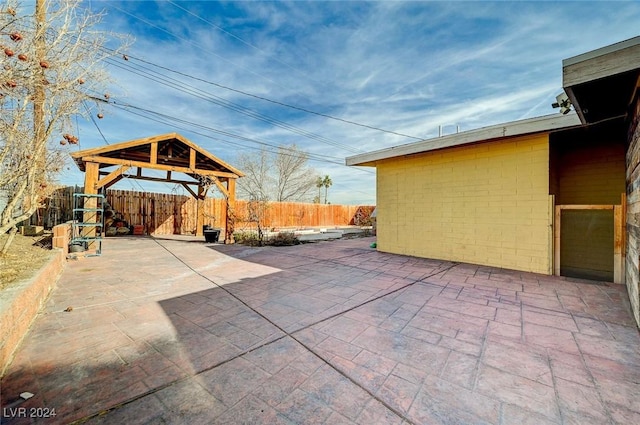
column 284, row 239
column 247, row 238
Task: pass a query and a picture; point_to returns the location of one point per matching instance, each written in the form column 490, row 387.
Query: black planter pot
column 211, row 235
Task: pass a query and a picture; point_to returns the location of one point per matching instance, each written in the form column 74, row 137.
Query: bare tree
column 51, row 65
column 255, row 186
column 295, row 179
column 257, row 183
column 257, row 213
column 282, row 176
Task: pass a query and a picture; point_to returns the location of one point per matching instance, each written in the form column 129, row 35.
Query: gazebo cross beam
column 114, row 176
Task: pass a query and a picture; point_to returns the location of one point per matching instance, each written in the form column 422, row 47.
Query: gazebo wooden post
column 200, row 210
column 224, row 214
column 91, row 176
column 230, row 211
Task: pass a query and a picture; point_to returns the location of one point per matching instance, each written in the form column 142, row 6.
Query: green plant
column 249, row 238
column 284, row 239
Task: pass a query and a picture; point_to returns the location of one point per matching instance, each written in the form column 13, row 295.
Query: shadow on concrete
column 164, row 331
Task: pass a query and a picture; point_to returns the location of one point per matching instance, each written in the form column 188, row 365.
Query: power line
column 209, row 97
column 225, row 103
column 231, row 105
column 190, row 41
column 275, row 102
column 208, row 22
column 193, row 43
column 95, row 123
column 164, row 118
column 192, row 90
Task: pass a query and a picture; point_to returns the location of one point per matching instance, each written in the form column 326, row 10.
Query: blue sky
column 406, row 67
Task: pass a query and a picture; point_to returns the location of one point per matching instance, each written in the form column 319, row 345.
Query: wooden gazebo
column 170, row 153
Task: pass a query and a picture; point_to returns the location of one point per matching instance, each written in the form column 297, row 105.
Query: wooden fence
column 164, row 214
column 57, row 208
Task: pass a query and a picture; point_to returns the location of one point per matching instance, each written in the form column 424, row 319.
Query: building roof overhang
column 544, row 124
column 602, row 83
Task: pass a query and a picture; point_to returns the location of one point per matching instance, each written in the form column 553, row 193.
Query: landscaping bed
column 27, row 274
column 25, row 257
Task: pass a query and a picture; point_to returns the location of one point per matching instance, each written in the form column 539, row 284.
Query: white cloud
column 407, row 67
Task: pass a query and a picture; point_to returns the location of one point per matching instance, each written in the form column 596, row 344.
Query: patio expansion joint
column 522, row 337
column 315, row 260
column 555, row 387
column 338, row 261
column 593, row 380
column 285, row 334
column 483, row 349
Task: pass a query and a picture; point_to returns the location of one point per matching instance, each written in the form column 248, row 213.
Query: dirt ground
column 26, row 255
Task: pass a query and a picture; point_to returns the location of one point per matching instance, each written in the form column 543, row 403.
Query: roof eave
column 511, row 129
column 601, row 83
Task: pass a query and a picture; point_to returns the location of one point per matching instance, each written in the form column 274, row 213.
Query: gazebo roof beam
column 142, row 164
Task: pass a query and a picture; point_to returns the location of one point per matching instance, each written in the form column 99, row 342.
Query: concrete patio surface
column 180, row 332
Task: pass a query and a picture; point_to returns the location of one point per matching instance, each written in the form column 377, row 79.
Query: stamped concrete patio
column 172, row 331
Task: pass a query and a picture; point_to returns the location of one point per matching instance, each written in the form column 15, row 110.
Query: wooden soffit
column 166, row 152
column 601, row 84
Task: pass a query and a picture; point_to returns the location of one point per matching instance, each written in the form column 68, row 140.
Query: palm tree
column 319, row 185
column 326, row 182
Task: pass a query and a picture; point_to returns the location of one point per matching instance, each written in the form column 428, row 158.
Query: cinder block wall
column 633, row 210
column 483, row 204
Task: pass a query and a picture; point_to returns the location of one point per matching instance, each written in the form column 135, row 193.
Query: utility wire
column 301, row 109
column 164, row 118
column 192, row 90
column 275, row 102
column 209, row 97
column 95, row 123
column 231, row 105
column 208, row 22
column 189, row 41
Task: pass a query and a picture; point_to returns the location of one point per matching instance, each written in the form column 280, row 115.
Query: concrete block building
column 558, row 194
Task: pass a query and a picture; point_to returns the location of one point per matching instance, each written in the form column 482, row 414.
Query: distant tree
column 51, row 65
column 257, row 183
column 326, row 182
column 294, row 178
column 283, row 176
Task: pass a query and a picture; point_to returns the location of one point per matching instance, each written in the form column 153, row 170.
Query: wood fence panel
column 164, row 213
column 57, row 209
